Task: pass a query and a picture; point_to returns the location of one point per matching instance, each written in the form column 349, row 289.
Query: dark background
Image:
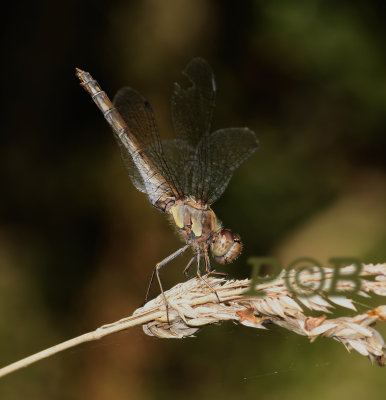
column 78, row 242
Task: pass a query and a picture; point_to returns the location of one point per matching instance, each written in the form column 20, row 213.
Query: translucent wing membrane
column 207, row 160
column 226, row 150
column 192, row 108
column 196, row 163
column 138, row 115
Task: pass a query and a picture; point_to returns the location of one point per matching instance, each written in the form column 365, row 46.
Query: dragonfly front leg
column 208, row 266
column 198, row 256
column 200, row 275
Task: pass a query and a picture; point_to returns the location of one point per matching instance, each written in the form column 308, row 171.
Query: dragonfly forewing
column 205, row 161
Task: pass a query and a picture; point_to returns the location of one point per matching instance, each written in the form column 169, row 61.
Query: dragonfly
column 184, row 176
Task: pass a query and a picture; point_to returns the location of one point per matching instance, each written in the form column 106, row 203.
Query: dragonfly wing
column 225, row 151
column 181, row 157
column 207, row 160
column 156, row 179
column 131, row 168
column 192, row 110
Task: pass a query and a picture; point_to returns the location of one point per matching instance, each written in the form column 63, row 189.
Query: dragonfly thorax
column 200, row 227
column 196, row 222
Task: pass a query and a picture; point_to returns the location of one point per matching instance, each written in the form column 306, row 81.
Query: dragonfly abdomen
column 155, row 184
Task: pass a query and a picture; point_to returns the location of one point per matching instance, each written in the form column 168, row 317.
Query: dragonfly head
column 226, row 246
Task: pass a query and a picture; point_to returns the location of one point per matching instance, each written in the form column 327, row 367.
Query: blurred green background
column 78, row 242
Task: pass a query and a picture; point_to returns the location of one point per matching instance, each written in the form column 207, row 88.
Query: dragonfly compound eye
column 226, row 246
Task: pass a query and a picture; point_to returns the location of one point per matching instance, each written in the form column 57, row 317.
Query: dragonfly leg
column 201, row 277
column 208, row 266
column 219, row 273
column 161, row 265
column 186, row 270
column 198, row 257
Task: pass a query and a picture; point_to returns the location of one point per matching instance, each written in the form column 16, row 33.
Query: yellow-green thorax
column 196, row 222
